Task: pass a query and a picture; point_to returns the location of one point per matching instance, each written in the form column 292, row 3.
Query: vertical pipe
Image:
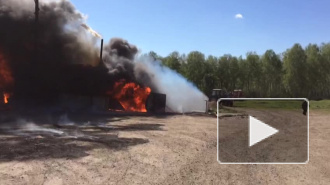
column 101, row 51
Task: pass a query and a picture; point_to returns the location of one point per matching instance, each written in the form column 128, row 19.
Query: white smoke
column 64, row 120
column 22, row 127
column 27, row 128
column 181, row 95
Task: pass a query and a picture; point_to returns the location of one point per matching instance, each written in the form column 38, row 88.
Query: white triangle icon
column 259, row 131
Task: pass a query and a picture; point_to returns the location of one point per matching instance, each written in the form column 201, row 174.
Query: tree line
column 297, row 72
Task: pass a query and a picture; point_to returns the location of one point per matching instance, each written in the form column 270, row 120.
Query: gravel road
column 179, row 149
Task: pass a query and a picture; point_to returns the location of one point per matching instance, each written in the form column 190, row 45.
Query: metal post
column 101, row 51
column 36, row 13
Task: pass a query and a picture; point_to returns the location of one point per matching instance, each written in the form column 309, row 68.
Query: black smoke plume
column 56, row 55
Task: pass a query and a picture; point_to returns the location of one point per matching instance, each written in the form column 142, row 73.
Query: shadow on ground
column 28, row 148
column 39, row 141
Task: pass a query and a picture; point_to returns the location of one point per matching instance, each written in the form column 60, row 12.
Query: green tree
column 325, row 68
column 195, row 67
column 316, row 75
column 242, row 74
column 272, row 74
column 154, row 55
column 295, row 71
column 254, row 74
column 173, row 61
column 210, row 77
column 223, row 73
column 233, row 73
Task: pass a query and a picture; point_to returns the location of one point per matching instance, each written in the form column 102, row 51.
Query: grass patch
column 223, row 109
column 287, row 105
column 269, row 104
column 227, row 110
column 320, row 105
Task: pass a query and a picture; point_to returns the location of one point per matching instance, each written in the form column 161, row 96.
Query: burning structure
column 44, row 60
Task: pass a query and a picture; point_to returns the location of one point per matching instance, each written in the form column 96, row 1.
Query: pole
column 36, row 13
column 36, row 10
column 101, row 51
column 33, row 76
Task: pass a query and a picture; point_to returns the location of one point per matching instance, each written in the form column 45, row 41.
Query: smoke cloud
column 58, row 55
column 182, row 95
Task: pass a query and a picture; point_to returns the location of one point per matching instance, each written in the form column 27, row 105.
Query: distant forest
column 297, row 72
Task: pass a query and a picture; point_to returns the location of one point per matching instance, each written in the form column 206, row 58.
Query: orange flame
column 131, row 96
column 6, row 96
column 6, row 79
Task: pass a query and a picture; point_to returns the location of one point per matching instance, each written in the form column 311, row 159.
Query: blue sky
column 210, row 26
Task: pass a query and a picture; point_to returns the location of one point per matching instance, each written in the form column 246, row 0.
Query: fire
column 6, row 96
column 131, row 96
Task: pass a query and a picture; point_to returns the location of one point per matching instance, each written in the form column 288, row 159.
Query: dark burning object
column 156, row 103
column 114, row 105
column 73, row 102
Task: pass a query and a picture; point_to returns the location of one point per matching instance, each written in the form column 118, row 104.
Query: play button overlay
column 259, row 131
column 263, row 131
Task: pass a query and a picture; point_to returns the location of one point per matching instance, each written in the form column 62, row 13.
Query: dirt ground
column 289, row 145
column 177, row 149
